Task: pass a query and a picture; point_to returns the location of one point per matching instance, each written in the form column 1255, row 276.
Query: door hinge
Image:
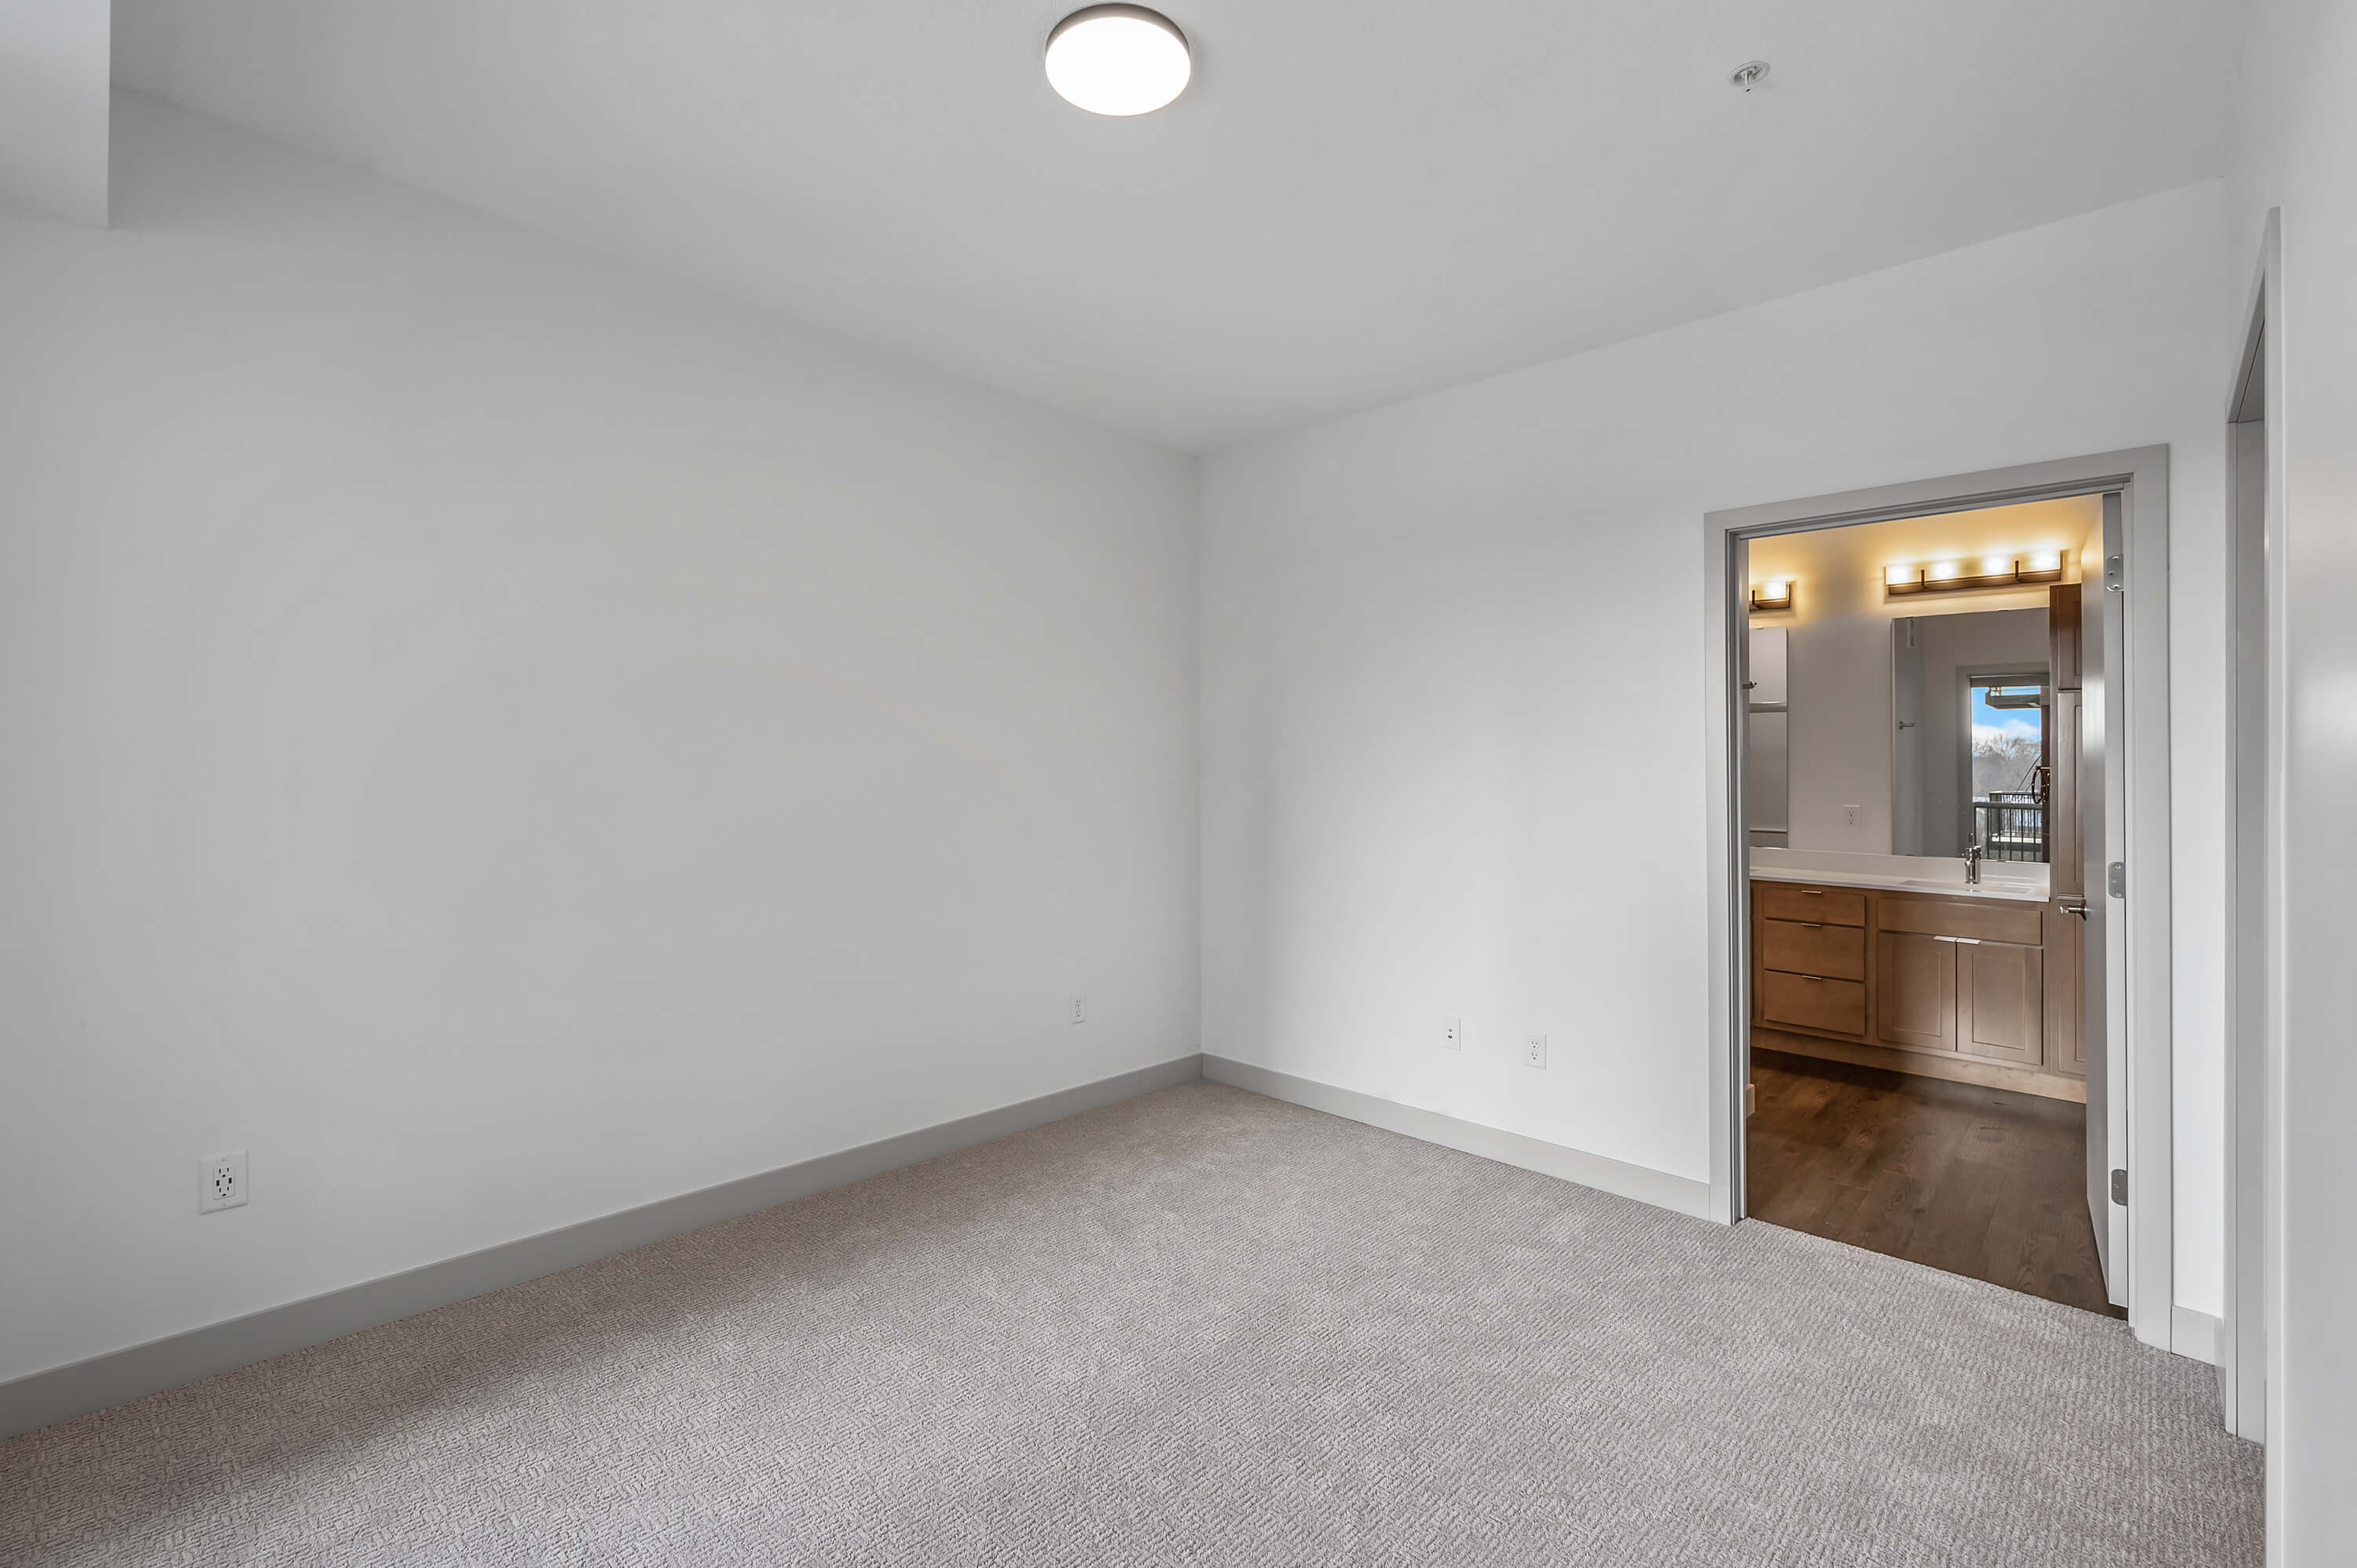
column 2120, row 1187
column 2114, row 582
column 2118, row 878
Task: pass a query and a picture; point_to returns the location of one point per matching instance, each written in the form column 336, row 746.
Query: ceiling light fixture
column 1747, row 75
column 1118, row 59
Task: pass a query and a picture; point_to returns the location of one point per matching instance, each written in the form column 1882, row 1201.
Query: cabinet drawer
column 1836, row 952
column 1784, row 901
column 1983, row 922
column 1836, row 1006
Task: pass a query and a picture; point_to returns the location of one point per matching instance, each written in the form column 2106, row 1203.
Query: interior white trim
column 1680, row 1194
column 2194, row 1334
column 42, row 1399
column 2140, row 476
column 2249, row 1339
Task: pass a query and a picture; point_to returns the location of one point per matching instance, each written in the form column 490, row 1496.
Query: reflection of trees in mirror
column 2005, row 765
column 2008, row 784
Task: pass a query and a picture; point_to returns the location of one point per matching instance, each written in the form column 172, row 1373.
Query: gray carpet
column 1198, row 1327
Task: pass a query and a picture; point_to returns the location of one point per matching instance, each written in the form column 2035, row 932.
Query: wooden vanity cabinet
column 1808, row 947
column 2001, row 1002
column 1964, row 977
column 1917, row 975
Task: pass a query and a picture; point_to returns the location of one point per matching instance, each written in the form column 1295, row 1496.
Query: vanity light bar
column 1989, row 571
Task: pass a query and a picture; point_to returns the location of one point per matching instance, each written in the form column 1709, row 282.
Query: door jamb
column 2141, row 477
column 2249, row 1334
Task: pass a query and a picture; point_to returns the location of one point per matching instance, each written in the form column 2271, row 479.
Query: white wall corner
column 1680, row 1195
column 55, row 68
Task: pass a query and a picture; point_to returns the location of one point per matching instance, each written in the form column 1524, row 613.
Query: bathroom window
column 2006, row 745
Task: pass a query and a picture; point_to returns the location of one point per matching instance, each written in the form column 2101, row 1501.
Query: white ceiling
column 1356, row 200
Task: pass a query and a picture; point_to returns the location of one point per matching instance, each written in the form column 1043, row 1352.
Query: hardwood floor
column 1982, row 1182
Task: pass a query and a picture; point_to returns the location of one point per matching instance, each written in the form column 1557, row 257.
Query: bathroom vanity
column 1898, row 962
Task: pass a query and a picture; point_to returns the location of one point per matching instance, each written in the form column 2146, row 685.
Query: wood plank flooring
column 1982, row 1182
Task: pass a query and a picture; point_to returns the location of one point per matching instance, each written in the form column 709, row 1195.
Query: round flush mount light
column 1118, row 59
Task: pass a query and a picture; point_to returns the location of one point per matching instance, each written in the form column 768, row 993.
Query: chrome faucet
column 1973, row 865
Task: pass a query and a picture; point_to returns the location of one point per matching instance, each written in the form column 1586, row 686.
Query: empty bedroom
column 955, row 783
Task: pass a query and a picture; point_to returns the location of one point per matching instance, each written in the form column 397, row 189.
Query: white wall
column 1840, row 707
column 503, row 739
column 55, row 60
column 1842, row 751
column 2298, row 152
column 1845, row 751
column 1452, row 680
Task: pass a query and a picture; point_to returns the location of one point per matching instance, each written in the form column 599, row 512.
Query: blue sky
column 1993, row 723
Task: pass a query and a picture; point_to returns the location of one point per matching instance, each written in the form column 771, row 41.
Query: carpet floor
column 1196, row 1327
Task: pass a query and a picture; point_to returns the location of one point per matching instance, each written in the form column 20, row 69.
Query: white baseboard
column 2194, row 1334
column 1680, row 1195
column 117, row 1377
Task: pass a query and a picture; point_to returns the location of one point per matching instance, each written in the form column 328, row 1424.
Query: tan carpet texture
column 1196, row 1327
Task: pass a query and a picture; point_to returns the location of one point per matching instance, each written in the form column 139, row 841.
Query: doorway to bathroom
column 1940, row 747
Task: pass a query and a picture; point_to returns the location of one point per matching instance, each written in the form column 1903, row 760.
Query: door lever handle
column 2075, row 907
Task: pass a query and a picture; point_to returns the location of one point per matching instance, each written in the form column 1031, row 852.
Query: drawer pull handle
column 1813, row 892
column 1960, row 941
column 1812, row 925
column 1815, row 979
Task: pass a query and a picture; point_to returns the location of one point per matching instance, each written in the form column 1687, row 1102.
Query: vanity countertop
column 1942, row 877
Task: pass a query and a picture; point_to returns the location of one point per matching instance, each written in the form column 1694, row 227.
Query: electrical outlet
column 1534, row 1049
column 1079, row 1013
column 221, row 1182
column 1452, row 1035
column 1849, row 816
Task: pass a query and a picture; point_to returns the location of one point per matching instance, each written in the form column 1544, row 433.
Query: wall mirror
column 1972, row 714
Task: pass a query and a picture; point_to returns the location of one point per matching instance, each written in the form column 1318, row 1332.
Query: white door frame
column 2141, row 1077
column 2249, row 1336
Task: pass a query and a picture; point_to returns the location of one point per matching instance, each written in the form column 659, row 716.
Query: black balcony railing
column 2010, row 827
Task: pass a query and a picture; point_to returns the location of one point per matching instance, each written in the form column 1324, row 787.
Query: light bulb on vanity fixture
column 1775, row 594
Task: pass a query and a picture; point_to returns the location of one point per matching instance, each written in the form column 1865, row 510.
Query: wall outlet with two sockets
column 221, row 1182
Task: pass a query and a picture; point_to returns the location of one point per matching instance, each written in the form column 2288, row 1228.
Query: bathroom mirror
column 1972, row 711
